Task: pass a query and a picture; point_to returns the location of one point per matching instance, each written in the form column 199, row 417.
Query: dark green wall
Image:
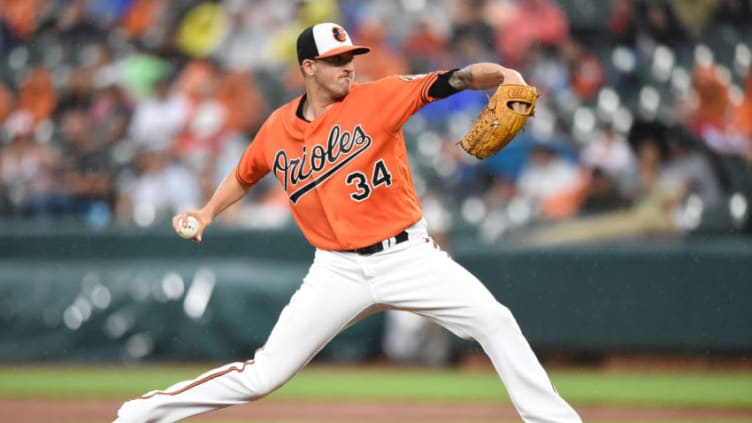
column 691, row 296
column 694, row 295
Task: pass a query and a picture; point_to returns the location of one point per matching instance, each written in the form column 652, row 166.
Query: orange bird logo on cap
column 339, row 34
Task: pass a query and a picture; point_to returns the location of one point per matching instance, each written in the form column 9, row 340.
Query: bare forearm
column 483, row 76
column 227, row 194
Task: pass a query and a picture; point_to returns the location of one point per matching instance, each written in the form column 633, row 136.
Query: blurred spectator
column 713, row 101
column 661, row 24
column 19, row 19
column 689, row 171
column 384, row 61
column 622, row 22
column 158, row 119
column 469, row 22
column 109, row 114
column 602, row 193
column 201, row 29
column 107, row 84
column 610, row 153
column 141, row 16
column 734, row 12
column 501, row 192
column 6, row 102
column 694, row 15
column 310, row 12
column 712, row 115
column 550, row 183
column 743, row 118
column 657, row 195
column 86, row 169
column 139, row 70
column 206, row 126
column 28, row 178
column 586, row 74
column 251, row 23
column 243, row 101
column 37, row 94
column 155, row 189
column 547, row 72
column 193, row 77
column 530, row 22
column 108, row 12
column 425, row 46
column 468, row 47
column 76, row 93
column 651, row 184
column 507, row 211
column 651, row 211
column 73, row 26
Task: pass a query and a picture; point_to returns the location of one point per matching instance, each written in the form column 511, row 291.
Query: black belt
column 380, row 246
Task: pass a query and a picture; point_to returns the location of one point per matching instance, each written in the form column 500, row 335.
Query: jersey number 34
column 380, row 176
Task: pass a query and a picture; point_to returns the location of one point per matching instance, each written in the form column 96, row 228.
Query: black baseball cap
column 326, row 40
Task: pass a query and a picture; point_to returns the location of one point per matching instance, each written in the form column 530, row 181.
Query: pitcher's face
column 334, row 74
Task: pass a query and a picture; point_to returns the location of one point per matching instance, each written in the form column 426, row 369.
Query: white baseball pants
column 342, row 288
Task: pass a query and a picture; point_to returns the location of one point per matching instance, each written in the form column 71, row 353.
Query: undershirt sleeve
column 441, row 88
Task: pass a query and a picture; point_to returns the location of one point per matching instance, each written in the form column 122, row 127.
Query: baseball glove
column 498, row 123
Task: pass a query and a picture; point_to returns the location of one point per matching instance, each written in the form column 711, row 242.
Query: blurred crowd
column 123, row 112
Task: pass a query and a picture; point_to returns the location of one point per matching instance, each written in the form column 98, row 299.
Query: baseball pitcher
column 339, row 152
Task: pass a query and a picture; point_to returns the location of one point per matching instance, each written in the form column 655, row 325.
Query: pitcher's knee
column 267, row 376
column 265, row 386
column 494, row 315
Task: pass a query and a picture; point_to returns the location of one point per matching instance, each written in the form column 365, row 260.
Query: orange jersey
column 346, row 173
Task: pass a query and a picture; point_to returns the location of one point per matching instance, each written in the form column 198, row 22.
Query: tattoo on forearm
column 461, row 79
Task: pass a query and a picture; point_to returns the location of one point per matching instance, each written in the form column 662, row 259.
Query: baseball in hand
column 188, row 227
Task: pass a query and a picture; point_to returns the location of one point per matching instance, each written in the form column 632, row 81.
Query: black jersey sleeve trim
column 441, row 88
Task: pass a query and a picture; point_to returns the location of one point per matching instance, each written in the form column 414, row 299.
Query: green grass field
column 651, row 388
column 713, row 390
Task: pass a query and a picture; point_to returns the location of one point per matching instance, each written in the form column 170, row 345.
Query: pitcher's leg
column 436, row 286
column 325, row 303
column 528, row 384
